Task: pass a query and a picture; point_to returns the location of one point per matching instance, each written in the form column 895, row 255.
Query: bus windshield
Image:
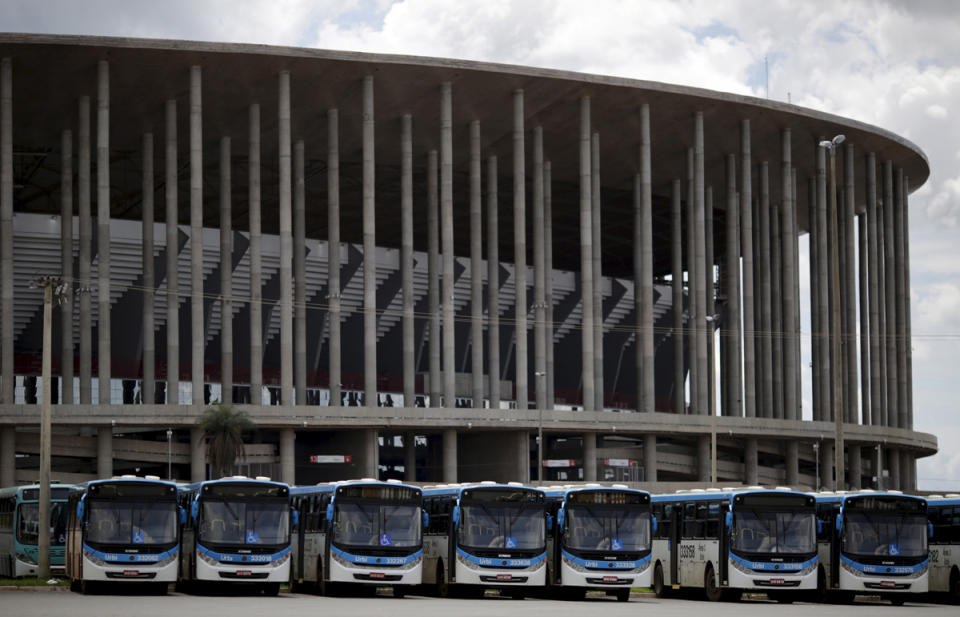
column 28, row 526
column 377, row 525
column 764, row 531
column 885, row 533
column 239, row 522
column 606, row 529
column 493, row 525
column 124, row 522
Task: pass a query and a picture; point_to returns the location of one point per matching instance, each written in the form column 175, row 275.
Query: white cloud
column 937, row 111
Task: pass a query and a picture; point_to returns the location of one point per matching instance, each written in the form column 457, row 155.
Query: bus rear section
column 486, row 536
column 238, row 533
column 601, row 541
column 124, row 530
column 359, row 533
column 20, row 529
column 943, row 578
column 873, row 543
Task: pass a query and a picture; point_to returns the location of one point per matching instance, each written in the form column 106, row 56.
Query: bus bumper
column 343, row 571
column 878, row 584
column 571, row 576
column 741, row 577
column 134, row 572
column 211, row 570
column 468, row 573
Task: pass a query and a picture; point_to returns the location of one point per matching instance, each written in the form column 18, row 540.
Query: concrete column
column 446, row 237
column 864, row 331
column 520, row 251
column 333, row 254
column 795, row 247
column 173, row 256
column 882, row 313
column 905, row 213
column 450, row 456
column 548, row 277
column 371, row 459
column 8, row 456
column 105, row 452
column 66, row 268
column 826, row 466
column 256, row 284
column 586, row 262
column 709, row 290
column 7, row 377
column 288, row 466
column 539, row 276
column 692, row 298
column 476, row 269
column 299, row 275
column 700, row 256
column 493, row 287
column 792, row 463
column 148, row 388
column 750, row 463
column 433, row 274
column 854, row 464
column 226, row 273
column 589, row 457
column 749, row 340
column 406, row 267
column 678, row 393
column 890, row 276
column 776, row 310
column 893, row 462
column 901, row 341
column 523, row 457
column 104, row 362
column 409, row 455
column 643, row 277
column 197, row 331
column 650, row 458
column 84, row 258
column 733, row 404
column 597, row 263
column 703, row 458
column 198, row 456
column 813, row 192
column 823, row 290
column 286, row 241
column 849, row 339
column 791, row 340
column 907, row 472
column 766, row 289
column 873, row 268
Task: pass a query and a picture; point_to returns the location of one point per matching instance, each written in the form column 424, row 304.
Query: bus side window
column 713, row 521
column 690, row 520
column 701, row 524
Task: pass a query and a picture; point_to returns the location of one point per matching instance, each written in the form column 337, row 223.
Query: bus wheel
column 710, row 585
column 74, row 585
column 659, row 587
column 442, row 586
column 898, row 600
column 622, row 595
column 399, row 591
column 271, row 589
column 160, row 589
column 955, row 587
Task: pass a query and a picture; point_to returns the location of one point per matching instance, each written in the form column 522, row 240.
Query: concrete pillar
column 173, row 256
column 791, row 340
column 854, row 466
column 882, row 314
column 66, row 268
column 597, row 264
column 703, row 458
column 776, row 309
column 700, row 257
column 900, row 340
column 692, row 298
column 148, row 388
column 539, row 276
column 371, row 465
column 520, row 251
column 864, row 330
column 6, row 233
column 333, row 254
column 676, row 259
column 299, row 276
column 766, row 289
column 433, row 275
column 650, row 458
column 104, row 362
column 450, row 456
column 256, row 266
column 733, row 404
column 818, row 195
column 548, row 277
column 406, row 267
column 476, row 269
column 893, row 462
column 873, row 268
column 226, row 273
column 905, row 213
column 751, row 386
column 286, row 240
column 849, row 339
column 586, row 262
column 369, row 251
column 198, row 456
column 826, row 466
column 792, row 463
column 409, row 455
column 493, row 287
column 288, row 466
column 522, row 449
column 643, row 276
column 197, row 334
column 84, row 258
column 105, row 452
column 446, row 237
column 750, row 463
column 795, row 246
column 8, row 456
column 907, row 472
column 890, row 276
column 589, row 457
column 710, row 289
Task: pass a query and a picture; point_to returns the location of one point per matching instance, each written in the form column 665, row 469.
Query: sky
column 892, row 64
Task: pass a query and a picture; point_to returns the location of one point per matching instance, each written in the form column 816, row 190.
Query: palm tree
column 223, row 428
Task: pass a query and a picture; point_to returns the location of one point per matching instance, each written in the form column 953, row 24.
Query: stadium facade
column 611, row 262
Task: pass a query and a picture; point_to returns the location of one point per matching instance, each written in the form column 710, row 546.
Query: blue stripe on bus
column 496, row 562
column 594, row 564
column 376, row 560
column 244, row 558
column 768, row 566
column 881, row 570
column 125, row 558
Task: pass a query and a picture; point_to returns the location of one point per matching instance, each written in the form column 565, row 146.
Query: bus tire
column 954, row 589
column 898, row 600
column 660, row 588
column 160, row 589
column 622, row 595
column 710, row 588
column 442, row 586
column 271, row 589
column 822, row 595
column 74, row 585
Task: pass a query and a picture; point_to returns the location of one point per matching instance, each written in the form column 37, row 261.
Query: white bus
column 601, row 540
column 872, row 543
column 943, row 512
column 238, row 532
column 20, row 529
column 359, row 532
column 123, row 530
column 485, row 535
column 728, row 541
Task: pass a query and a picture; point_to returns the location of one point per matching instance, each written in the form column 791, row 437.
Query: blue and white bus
column 360, row 532
column 123, row 530
column 872, row 543
column 20, row 529
column 485, row 535
column 238, row 531
column 728, row 541
column 943, row 512
column 601, row 540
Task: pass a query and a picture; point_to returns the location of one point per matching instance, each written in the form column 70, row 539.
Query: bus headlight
column 167, row 561
column 279, row 562
column 740, row 567
column 96, row 560
column 207, row 559
column 808, row 569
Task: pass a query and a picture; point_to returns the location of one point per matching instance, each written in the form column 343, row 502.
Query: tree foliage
column 223, row 428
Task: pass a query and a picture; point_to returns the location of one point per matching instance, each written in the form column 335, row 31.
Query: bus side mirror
column 549, row 523
column 329, row 512
column 819, row 527
column 729, row 519
column 456, row 515
column 929, row 529
column 561, row 517
column 426, row 519
column 838, row 523
column 653, row 524
column 194, row 510
column 80, row 510
column 296, row 516
column 183, row 515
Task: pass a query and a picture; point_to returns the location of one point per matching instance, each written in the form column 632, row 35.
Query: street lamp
column 831, row 146
column 169, row 440
column 540, row 375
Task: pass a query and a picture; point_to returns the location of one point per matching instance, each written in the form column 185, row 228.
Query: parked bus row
column 460, row 540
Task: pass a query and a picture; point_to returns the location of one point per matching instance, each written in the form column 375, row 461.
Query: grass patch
column 31, row 582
